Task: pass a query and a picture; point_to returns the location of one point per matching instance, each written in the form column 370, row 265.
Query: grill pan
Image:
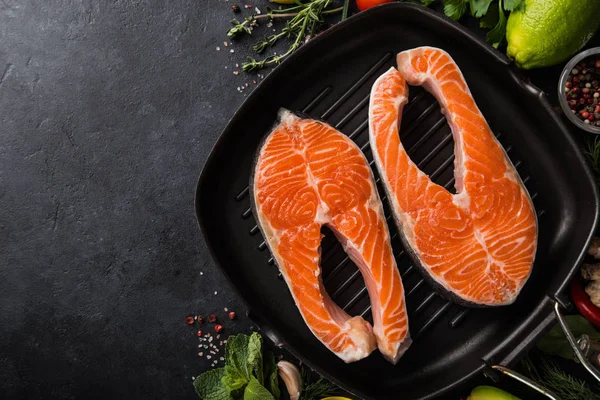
column 329, row 78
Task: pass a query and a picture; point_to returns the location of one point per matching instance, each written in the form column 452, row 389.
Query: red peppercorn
column 212, row 318
column 590, row 101
column 581, row 101
column 591, row 117
column 232, row 315
column 189, row 320
column 200, row 319
column 597, row 65
column 597, row 109
column 575, row 79
column 585, row 114
column 199, row 333
column 218, row 328
column 568, row 84
column 575, row 89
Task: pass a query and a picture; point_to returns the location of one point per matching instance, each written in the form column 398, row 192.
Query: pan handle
column 525, row 380
column 577, row 345
column 574, row 343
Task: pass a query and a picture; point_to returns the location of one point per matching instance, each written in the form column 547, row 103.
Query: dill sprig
column 316, row 390
column 559, row 382
column 593, row 152
column 304, row 20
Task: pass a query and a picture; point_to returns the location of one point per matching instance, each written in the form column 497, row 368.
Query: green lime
column 490, row 393
column 547, row 32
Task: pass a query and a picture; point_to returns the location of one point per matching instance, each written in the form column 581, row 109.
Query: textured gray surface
column 108, row 111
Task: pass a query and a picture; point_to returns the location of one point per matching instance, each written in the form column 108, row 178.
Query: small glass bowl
column 562, row 95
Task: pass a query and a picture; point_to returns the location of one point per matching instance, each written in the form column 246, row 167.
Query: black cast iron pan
column 330, row 78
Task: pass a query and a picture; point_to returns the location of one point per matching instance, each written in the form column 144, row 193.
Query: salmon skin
column 306, row 175
column 479, row 244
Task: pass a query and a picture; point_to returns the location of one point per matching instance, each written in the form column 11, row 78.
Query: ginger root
column 594, row 249
column 591, row 273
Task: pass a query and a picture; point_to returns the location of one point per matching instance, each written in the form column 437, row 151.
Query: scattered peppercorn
column 189, row 320
column 201, row 319
column 218, row 328
column 232, row 315
column 212, row 318
column 235, row 8
column 199, row 333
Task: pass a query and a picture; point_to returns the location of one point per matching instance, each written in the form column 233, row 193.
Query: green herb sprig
column 566, row 387
column 305, row 18
column 592, row 152
column 246, row 373
column 316, row 389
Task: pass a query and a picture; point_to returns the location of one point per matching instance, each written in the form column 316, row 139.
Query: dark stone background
column 108, row 110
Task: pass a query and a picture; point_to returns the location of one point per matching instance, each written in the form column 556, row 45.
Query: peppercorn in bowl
column 579, row 90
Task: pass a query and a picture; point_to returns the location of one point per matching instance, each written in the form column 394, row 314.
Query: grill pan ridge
column 451, row 342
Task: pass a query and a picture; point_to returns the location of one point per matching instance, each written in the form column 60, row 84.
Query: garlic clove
column 290, row 374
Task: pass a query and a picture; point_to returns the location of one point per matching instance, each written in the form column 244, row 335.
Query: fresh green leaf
column 555, row 343
column 236, row 356
column 427, row 3
column 209, row 385
column 490, row 19
column 255, row 360
column 455, row 9
column 256, row 391
column 497, row 34
column 271, row 377
column 511, row 5
column 234, row 384
column 479, row 7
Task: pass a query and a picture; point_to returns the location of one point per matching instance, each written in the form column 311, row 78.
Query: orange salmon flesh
column 307, row 175
column 478, row 244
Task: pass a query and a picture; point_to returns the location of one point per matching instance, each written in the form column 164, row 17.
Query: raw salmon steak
column 479, row 244
column 307, row 175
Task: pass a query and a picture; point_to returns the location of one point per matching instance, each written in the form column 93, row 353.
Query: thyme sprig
column 304, row 20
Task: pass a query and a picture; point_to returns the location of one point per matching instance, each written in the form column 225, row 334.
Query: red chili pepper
column 189, row 320
column 365, row 4
column 583, row 302
column 218, row 328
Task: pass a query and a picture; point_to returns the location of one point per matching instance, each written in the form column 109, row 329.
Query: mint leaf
column 234, row 384
column 271, row 378
column 256, row 391
column 497, row 34
column 455, row 9
column 511, row 5
column 236, row 357
column 479, row 7
column 209, row 385
column 555, row 342
column 255, row 361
